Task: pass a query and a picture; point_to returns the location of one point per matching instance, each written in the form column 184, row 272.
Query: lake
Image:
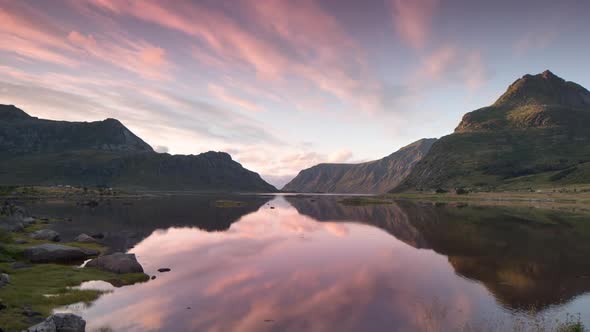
column 311, row 263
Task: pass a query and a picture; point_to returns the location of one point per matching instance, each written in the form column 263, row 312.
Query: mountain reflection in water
column 314, row 264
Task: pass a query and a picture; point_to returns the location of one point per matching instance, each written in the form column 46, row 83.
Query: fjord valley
column 294, row 165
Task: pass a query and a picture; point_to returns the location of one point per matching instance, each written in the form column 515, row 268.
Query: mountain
column 372, row 177
column 536, row 134
column 105, row 153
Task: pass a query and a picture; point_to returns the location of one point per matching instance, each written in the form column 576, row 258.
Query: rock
column 85, row 238
column 20, row 241
column 164, row 269
column 117, row 263
column 29, row 312
column 20, row 265
column 98, row 236
column 50, row 252
column 153, row 277
column 60, row 323
column 4, row 279
column 46, row 234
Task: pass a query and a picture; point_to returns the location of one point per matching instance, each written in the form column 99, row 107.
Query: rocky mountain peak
column 11, row 112
column 545, row 88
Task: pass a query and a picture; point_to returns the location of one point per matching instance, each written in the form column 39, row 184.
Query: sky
column 282, row 85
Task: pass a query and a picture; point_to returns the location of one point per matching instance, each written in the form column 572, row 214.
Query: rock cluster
column 60, row 323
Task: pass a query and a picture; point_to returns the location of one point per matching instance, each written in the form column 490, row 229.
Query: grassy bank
column 35, row 290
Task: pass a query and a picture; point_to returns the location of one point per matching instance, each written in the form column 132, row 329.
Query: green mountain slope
column 373, row 177
column 537, row 129
column 43, row 152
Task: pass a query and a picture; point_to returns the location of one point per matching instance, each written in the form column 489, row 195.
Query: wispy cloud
column 413, row 20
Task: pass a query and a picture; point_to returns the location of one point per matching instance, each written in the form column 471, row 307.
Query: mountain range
column 105, row 153
column 536, row 134
column 377, row 176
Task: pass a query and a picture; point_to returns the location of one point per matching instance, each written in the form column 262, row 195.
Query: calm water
column 313, row 264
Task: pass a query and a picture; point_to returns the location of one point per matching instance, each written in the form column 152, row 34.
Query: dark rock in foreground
column 4, row 279
column 60, row 323
column 85, row 238
column 46, row 234
column 117, row 263
column 48, row 253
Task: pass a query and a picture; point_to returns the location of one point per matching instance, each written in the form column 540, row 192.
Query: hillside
column 535, row 134
column 105, row 153
column 373, row 177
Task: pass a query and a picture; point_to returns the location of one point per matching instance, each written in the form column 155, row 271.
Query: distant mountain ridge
column 44, row 152
column 373, row 177
column 536, row 133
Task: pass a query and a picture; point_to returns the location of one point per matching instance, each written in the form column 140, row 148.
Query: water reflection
column 527, row 258
column 316, row 265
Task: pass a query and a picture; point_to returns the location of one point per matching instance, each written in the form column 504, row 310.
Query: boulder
column 4, row 279
column 49, row 252
column 117, row 263
column 60, row 323
column 46, row 234
column 85, row 238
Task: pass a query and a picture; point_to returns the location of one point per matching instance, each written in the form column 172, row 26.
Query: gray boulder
column 46, row 234
column 49, row 252
column 60, row 323
column 117, row 263
column 85, row 238
column 4, row 279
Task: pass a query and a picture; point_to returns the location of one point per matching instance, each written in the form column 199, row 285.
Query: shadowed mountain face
column 23, row 134
column 485, row 244
column 373, row 177
column 537, row 129
column 106, row 153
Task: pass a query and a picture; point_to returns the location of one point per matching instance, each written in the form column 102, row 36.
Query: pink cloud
column 413, row 18
column 138, row 57
column 30, row 34
column 221, row 93
column 315, row 39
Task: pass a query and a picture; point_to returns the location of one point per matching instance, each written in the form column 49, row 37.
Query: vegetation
column 43, row 287
column 229, row 204
column 536, row 134
column 358, row 201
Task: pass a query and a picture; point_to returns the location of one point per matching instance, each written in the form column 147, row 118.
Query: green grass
column 359, row 201
column 30, row 286
column 229, row 203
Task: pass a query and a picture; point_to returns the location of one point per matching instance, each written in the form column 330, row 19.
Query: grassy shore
column 34, row 291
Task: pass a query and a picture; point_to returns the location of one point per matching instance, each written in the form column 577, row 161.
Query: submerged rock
column 60, row 323
column 117, row 263
column 47, row 253
column 46, row 234
column 85, row 238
